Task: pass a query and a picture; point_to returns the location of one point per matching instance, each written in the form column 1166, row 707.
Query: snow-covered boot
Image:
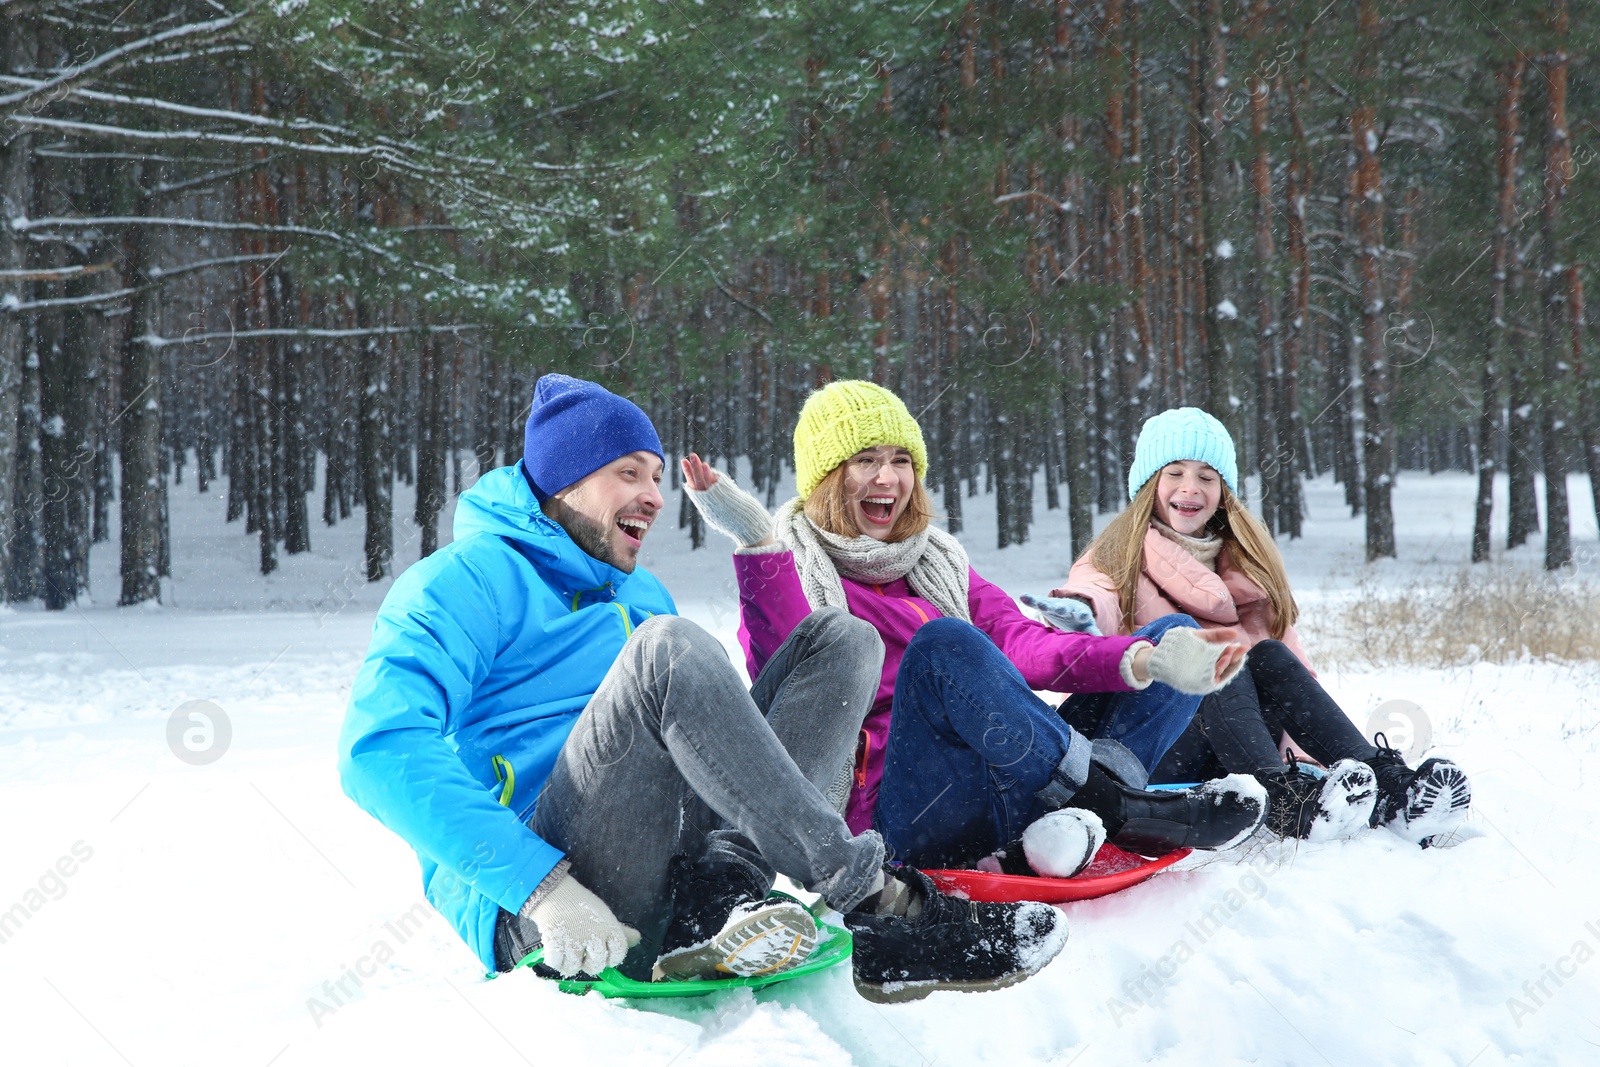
column 724, row 923
column 1422, row 805
column 1320, row 809
column 1059, row 844
column 929, row 940
column 1215, row 815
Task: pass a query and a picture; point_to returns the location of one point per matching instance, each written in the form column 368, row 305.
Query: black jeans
column 1238, row 728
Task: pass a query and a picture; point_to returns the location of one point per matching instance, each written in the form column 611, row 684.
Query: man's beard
column 587, row 535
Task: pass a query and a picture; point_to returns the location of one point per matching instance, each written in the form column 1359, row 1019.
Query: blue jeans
column 974, row 756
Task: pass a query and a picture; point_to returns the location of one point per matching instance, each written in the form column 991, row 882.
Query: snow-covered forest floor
column 244, row 912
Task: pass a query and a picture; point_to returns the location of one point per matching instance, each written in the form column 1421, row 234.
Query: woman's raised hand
column 697, row 473
column 726, row 508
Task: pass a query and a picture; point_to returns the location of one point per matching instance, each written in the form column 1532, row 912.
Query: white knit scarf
column 932, row 563
column 1205, row 549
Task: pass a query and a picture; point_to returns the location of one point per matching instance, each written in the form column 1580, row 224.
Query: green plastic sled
column 834, row 948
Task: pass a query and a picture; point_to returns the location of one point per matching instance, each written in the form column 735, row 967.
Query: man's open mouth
column 633, row 528
column 878, row 509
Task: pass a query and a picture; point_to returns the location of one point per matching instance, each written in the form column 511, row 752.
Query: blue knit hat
column 1178, row 434
column 575, row 428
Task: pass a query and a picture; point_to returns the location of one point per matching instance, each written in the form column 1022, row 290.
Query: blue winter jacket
column 482, row 656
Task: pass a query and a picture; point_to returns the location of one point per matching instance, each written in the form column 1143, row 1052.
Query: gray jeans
column 673, row 756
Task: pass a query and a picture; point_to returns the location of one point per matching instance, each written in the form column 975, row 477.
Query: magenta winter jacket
column 771, row 605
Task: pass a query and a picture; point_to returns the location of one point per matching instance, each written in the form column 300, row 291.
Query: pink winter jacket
column 771, row 605
column 1174, row 581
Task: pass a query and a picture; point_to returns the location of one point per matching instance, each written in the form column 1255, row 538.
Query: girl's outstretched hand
column 698, row 473
column 1233, row 653
column 1193, row 661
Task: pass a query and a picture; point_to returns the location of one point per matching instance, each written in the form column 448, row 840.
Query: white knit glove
column 1188, row 662
column 578, row 931
column 732, row 512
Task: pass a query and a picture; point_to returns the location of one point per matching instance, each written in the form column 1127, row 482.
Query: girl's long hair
column 1118, row 553
column 829, row 507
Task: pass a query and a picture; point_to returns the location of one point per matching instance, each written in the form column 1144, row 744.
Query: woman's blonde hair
column 828, row 507
column 1118, row 553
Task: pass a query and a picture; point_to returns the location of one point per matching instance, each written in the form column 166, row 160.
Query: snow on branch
column 54, row 274
column 392, row 155
column 1062, row 206
column 45, row 225
column 299, row 125
column 72, row 222
column 119, row 57
column 165, row 273
column 171, row 188
column 11, row 305
column 158, row 276
column 299, row 331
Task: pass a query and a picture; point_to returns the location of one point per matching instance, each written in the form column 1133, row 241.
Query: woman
column 1186, row 543
column 958, row 757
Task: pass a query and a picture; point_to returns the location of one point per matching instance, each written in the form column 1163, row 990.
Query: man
column 579, row 769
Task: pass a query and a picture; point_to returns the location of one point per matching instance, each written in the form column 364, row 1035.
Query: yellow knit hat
column 845, row 417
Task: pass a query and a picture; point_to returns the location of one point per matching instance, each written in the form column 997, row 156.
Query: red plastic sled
column 1111, row 870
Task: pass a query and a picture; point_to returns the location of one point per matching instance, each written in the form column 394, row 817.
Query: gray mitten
column 578, row 931
column 1188, row 662
column 1064, row 613
column 732, row 512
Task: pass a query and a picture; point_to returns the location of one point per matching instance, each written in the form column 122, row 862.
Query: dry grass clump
column 1498, row 614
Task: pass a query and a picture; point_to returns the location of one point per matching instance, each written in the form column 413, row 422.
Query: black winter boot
column 944, row 942
column 1215, row 815
column 1422, row 805
column 1303, row 805
column 724, row 923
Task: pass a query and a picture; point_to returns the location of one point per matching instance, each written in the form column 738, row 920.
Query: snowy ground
column 244, row 912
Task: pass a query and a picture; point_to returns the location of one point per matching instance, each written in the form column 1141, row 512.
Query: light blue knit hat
column 1178, row 434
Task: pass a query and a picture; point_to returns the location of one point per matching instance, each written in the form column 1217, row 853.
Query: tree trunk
column 1588, row 423
column 1554, row 411
column 1298, row 304
column 1522, row 510
column 430, row 444
column 22, row 562
column 140, row 429
column 1218, row 310
column 1507, row 146
column 296, row 443
column 17, row 48
column 1138, row 265
column 263, row 436
column 377, row 475
column 949, row 408
column 1262, row 279
column 67, row 454
column 1119, row 349
column 1378, row 449
column 1077, row 442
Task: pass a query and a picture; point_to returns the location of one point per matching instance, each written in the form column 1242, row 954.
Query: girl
column 958, row 757
column 1186, row 543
